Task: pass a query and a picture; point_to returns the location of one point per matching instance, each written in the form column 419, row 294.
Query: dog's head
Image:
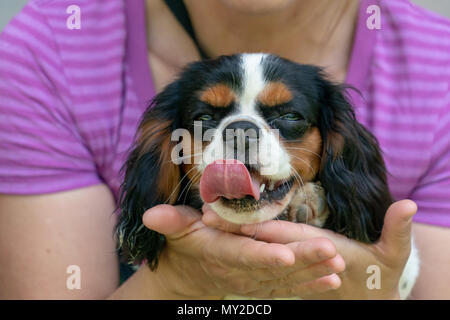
column 242, row 133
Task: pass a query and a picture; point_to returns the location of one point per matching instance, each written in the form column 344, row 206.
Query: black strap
column 180, row 12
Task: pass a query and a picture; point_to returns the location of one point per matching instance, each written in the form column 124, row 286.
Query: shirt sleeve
column 41, row 150
column 432, row 195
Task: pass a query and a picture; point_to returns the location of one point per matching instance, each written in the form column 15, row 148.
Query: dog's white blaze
column 273, row 160
column 253, row 82
column 277, row 166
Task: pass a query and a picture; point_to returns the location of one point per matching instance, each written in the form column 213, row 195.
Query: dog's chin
column 248, row 210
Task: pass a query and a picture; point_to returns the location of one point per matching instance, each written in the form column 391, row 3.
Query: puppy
column 257, row 137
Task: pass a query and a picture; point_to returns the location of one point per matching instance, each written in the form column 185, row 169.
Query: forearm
column 41, row 236
column 147, row 285
column 142, row 285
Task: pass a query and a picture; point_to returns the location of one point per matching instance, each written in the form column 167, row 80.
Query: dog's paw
column 308, row 205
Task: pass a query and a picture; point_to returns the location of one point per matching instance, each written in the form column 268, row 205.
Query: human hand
column 390, row 253
column 200, row 261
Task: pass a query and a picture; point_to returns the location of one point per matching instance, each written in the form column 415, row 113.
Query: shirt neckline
column 362, row 50
column 137, row 52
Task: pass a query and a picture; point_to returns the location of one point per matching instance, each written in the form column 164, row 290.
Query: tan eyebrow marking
column 275, row 93
column 218, row 95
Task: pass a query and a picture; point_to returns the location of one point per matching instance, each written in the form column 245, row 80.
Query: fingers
column 282, row 231
column 242, row 252
column 396, row 234
column 312, row 251
column 328, row 267
column 270, row 231
column 311, row 263
column 306, row 253
column 278, row 282
column 277, row 231
column 171, row 221
column 322, row 285
column 313, row 259
column 308, row 274
column 212, row 219
column 295, row 290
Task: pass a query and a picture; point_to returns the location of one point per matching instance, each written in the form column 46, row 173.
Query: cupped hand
column 202, row 261
column 388, row 256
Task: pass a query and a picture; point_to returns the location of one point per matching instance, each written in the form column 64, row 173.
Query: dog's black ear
column 352, row 170
column 151, row 178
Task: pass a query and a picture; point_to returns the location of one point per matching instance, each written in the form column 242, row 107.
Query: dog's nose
column 241, row 139
column 240, row 131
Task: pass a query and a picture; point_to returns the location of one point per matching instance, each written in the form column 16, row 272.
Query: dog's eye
column 291, row 116
column 204, row 117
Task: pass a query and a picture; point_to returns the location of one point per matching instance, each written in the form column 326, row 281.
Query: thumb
column 172, row 221
column 396, row 234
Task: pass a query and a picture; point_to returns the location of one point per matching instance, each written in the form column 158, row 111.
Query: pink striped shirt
column 70, row 100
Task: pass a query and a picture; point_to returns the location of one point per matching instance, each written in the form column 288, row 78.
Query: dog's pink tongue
column 227, row 178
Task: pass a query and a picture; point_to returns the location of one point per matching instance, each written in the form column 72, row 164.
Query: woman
column 71, row 99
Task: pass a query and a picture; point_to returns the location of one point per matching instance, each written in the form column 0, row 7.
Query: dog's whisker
column 179, row 183
column 302, row 160
column 295, row 140
column 296, row 174
column 304, row 149
column 298, row 177
column 186, row 186
column 190, row 185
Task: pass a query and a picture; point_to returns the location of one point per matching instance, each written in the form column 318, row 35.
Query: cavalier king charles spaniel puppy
column 258, row 137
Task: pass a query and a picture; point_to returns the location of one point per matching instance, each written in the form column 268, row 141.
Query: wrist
column 144, row 285
column 170, row 287
column 157, row 286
